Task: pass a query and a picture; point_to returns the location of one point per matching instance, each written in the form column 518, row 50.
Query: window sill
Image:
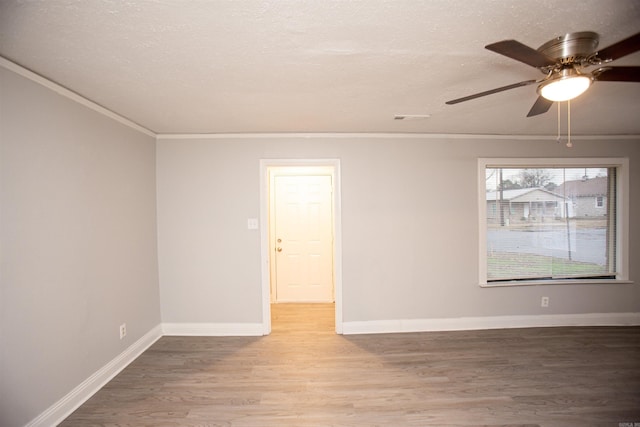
column 557, row 282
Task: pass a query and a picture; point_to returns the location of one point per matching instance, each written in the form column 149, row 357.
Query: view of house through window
column 550, row 223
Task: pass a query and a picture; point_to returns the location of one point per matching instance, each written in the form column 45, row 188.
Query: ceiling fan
column 563, row 61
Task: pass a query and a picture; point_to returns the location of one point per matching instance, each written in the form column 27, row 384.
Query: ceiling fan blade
column 490, row 92
column 541, row 106
column 520, row 52
column 617, row 74
column 620, row 49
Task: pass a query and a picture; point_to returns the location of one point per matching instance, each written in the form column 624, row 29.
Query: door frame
column 265, row 164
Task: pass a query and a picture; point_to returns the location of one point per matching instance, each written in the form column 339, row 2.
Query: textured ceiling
column 224, row 66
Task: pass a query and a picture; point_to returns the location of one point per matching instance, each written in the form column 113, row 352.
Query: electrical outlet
column 123, row 330
column 544, row 302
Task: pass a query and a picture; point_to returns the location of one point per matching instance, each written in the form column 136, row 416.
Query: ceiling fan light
column 566, row 87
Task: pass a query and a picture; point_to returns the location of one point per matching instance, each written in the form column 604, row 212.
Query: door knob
column 279, row 249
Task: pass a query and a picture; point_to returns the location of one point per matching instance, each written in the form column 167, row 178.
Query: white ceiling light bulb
column 567, row 85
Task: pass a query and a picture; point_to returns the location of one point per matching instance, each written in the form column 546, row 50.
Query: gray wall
column 78, row 233
column 409, row 227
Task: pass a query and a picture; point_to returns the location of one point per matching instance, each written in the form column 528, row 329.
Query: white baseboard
column 494, row 322
column 57, row 412
column 213, row 329
column 60, row 410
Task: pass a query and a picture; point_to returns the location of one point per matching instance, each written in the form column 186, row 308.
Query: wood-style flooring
column 303, row 374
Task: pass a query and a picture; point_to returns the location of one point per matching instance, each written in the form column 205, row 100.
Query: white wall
column 409, row 227
column 78, row 236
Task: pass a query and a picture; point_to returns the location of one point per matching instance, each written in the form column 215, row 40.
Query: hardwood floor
column 303, row 374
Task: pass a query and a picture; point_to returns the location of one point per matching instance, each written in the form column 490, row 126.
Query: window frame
column 622, row 213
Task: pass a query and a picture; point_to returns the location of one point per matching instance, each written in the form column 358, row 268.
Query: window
column 552, row 221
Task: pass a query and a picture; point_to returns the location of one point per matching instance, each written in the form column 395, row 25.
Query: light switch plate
column 252, row 223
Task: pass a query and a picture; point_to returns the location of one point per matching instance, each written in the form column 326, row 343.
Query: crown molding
column 61, row 90
column 387, row 135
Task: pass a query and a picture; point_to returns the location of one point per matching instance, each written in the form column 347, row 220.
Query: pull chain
column 559, row 138
column 569, row 144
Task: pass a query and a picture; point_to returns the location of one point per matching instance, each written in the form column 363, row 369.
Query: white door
column 303, row 238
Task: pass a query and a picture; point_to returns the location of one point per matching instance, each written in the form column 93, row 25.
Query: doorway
column 301, row 234
column 301, row 242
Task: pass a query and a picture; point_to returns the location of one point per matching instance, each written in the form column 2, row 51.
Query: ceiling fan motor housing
column 572, row 48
